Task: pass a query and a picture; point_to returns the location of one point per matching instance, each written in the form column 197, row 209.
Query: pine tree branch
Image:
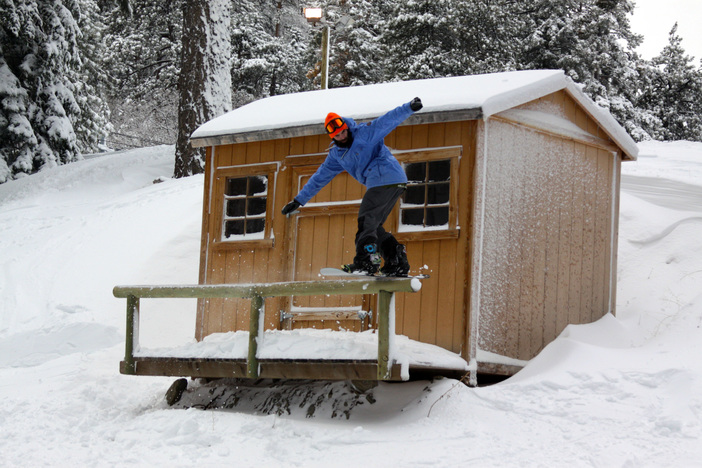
column 153, row 64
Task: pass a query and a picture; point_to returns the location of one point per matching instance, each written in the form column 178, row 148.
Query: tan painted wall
column 322, row 235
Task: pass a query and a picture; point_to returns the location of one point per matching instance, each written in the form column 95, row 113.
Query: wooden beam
column 255, row 331
column 132, row 334
column 497, row 369
column 331, row 314
column 292, row 288
column 326, row 370
column 384, row 334
column 179, row 367
column 269, row 369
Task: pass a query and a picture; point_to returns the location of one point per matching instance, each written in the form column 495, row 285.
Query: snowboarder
column 360, row 150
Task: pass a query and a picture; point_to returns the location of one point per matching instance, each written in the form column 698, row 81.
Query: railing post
column 384, row 322
column 132, row 335
column 255, row 325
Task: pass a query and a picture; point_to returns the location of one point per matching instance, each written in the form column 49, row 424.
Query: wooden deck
column 215, row 368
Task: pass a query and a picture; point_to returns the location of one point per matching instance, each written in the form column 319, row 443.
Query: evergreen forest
column 82, row 76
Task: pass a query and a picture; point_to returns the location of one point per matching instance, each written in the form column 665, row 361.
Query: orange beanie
column 334, row 124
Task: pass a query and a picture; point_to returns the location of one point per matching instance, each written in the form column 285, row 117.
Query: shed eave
column 606, row 121
column 473, row 113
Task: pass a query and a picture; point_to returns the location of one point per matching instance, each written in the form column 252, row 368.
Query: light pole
column 314, row 15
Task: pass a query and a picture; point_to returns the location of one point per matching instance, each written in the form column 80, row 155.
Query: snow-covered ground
column 622, row 392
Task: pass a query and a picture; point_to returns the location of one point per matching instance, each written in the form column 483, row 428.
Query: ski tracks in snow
column 665, row 193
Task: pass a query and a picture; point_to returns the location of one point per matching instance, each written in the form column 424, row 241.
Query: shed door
column 323, row 236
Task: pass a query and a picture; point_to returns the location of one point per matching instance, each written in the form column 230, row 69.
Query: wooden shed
column 512, row 208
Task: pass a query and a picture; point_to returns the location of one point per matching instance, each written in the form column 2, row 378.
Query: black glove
column 416, row 104
column 290, row 207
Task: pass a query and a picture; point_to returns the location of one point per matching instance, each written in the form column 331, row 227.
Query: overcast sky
column 655, row 18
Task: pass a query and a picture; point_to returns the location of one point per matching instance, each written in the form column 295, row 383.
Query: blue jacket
column 368, row 160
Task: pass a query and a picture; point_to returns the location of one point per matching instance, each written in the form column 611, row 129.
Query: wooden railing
column 384, row 287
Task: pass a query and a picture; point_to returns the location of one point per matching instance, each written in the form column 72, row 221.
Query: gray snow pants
column 376, row 206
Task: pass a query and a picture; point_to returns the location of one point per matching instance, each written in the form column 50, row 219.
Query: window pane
column 233, row 228
column 437, row 216
column 255, row 225
column 236, row 207
column 257, row 206
column 439, row 170
column 425, row 203
column 414, row 195
column 413, row 216
column 245, row 201
column 437, row 194
column 236, row 187
column 416, row 172
column 258, row 185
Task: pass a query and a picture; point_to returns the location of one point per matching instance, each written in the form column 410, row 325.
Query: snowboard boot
column 366, row 261
column 395, row 256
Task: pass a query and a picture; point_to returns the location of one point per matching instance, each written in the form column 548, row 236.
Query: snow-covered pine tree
column 91, row 81
column 419, row 39
column 42, row 95
column 268, row 45
column 489, row 34
column 674, row 94
column 19, row 142
column 641, row 123
column 143, row 63
column 356, row 56
column 592, row 41
column 205, row 82
column 460, row 37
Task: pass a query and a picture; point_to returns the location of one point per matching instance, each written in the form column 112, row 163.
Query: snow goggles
column 335, row 125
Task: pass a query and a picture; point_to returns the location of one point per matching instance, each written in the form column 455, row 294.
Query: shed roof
column 444, row 99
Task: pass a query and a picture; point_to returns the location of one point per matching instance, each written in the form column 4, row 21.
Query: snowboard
column 340, row 272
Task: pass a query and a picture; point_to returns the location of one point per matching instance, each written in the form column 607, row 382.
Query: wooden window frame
column 269, row 170
column 305, row 165
column 452, row 154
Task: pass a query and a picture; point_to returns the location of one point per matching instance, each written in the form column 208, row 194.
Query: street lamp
column 314, row 15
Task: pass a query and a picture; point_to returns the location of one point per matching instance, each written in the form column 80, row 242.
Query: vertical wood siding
column 437, row 314
column 546, row 238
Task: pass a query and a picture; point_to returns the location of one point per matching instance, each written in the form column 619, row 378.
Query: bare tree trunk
column 205, row 83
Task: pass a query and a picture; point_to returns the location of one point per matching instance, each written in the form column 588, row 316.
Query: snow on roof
column 485, row 94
